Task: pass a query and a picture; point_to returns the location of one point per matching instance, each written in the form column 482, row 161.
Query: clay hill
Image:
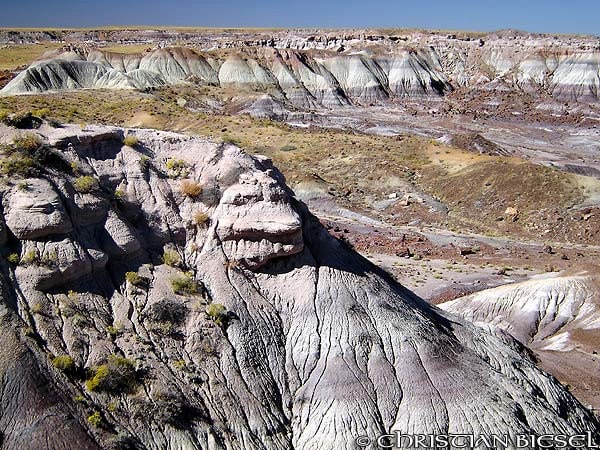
column 307, row 69
column 162, row 291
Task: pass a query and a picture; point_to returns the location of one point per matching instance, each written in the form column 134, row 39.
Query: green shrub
column 42, row 113
column 217, row 313
column 50, row 259
column 74, row 167
column 119, row 194
column 28, row 143
column 179, row 364
column 130, row 140
column 169, row 310
column 37, row 308
column 64, row 363
column 13, row 259
column 16, row 165
column 171, row 258
column 117, row 375
column 85, row 184
column 184, row 284
column 113, row 331
column 95, row 419
column 288, row 148
column 25, row 156
column 177, row 167
column 136, row 279
column 30, row 257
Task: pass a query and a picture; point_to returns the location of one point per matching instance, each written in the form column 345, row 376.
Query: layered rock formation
column 336, row 70
column 302, row 79
column 559, row 313
column 244, row 323
column 558, row 318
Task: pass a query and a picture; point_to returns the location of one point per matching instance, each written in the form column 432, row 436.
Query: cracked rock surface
column 246, row 325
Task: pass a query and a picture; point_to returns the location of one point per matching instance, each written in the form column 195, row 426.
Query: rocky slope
column 173, row 294
column 558, row 313
column 557, row 317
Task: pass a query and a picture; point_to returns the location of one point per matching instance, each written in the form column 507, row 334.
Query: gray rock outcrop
column 244, row 323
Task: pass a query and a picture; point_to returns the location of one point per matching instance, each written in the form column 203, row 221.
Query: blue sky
column 566, row 16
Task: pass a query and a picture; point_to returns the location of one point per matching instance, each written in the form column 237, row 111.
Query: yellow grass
column 15, row 56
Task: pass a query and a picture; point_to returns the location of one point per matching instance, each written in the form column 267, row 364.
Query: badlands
column 282, row 239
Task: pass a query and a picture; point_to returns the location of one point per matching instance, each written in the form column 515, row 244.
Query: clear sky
column 558, row 16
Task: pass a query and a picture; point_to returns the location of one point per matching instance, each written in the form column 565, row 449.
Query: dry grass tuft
column 190, row 188
column 200, row 218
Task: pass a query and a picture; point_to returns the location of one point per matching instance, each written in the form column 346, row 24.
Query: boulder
column 35, row 211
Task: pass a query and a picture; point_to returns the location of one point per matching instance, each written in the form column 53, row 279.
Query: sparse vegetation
column 116, row 376
column 25, row 157
column 171, row 258
column 179, row 364
column 74, row 167
column 16, row 56
column 85, row 184
column 167, row 310
column 30, row 332
column 135, row 279
column 173, row 408
column 54, row 123
column 23, row 185
column 217, row 313
column 130, row 140
column 37, row 308
column 184, row 284
column 22, row 120
column 144, row 163
column 191, row 188
column 95, row 419
column 227, row 139
column 119, row 194
column 113, row 330
column 334, row 153
column 30, row 257
column 177, row 168
column 13, row 259
column 50, row 259
column 42, row 113
column 17, row 166
column 64, row 363
column 27, row 143
column 200, row 218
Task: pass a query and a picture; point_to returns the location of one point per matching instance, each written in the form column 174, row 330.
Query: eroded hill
column 175, row 294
